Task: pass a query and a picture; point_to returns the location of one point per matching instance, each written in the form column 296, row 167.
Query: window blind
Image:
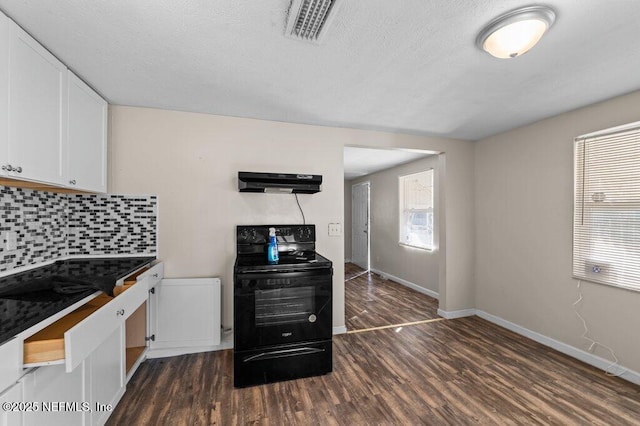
column 416, row 209
column 606, row 225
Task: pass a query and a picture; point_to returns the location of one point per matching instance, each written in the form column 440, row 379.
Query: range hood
column 279, row 183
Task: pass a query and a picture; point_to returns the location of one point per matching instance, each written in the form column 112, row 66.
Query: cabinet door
column 10, row 417
column 5, row 38
column 37, row 111
column 107, row 376
column 60, row 395
column 186, row 313
column 87, row 138
column 10, row 364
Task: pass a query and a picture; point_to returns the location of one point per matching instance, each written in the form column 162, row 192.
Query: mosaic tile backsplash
column 51, row 225
column 112, row 224
column 39, row 219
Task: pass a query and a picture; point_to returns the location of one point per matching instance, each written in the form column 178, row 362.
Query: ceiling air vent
column 310, row 19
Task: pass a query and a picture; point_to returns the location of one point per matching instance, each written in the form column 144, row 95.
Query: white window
column 606, row 225
column 416, row 210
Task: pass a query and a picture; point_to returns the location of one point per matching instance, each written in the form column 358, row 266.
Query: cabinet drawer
column 151, row 275
column 154, row 275
column 85, row 337
column 72, row 338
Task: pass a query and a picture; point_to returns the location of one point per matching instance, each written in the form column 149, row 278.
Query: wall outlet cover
column 335, row 229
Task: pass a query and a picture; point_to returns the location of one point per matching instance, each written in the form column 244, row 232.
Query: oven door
column 273, row 308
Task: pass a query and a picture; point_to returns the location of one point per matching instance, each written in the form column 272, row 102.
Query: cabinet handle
column 7, row 167
column 18, row 169
column 120, row 312
column 72, row 182
column 155, row 275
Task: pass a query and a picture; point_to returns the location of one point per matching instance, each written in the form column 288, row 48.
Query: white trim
column 166, row 352
column 226, row 343
column 406, row 283
column 586, row 357
column 456, row 314
column 341, row 329
column 610, row 130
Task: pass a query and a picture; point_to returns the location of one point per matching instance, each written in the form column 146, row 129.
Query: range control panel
column 285, row 234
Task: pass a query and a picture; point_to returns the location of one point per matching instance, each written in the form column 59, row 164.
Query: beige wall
column 191, row 162
column 387, row 255
column 524, row 190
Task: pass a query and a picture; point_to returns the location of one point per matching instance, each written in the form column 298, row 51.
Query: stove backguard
column 255, row 238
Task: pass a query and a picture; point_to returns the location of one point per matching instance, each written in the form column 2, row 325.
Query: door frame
column 367, row 224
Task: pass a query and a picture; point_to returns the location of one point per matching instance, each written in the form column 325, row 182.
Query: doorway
column 360, row 238
column 386, row 283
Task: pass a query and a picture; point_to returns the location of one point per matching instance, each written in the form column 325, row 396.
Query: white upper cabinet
column 87, row 138
column 37, row 111
column 53, row 127
column 4, row 93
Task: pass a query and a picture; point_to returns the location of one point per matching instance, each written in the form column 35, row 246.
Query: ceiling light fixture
column 515, row 32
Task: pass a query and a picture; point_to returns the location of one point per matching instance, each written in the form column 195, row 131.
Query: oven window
column 284, row 306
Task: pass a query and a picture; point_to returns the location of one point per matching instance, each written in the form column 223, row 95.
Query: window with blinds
column 416, row 209
column 606, row 225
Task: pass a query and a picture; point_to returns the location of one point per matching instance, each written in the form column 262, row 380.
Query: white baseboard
column 586, row 357
column 225, row 343
column 166, row 352
column 456, row 314
column 406, row 283
column 341, row 329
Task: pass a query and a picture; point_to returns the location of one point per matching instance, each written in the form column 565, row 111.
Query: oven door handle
column 259, row 274
column 282, row 354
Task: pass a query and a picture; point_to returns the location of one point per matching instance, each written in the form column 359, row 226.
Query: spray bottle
column 272, row 250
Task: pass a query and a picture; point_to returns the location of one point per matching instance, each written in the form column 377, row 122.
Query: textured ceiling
column 405, row 66
column 364, row 161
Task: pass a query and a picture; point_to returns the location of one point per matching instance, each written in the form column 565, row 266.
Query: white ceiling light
column 515, row 32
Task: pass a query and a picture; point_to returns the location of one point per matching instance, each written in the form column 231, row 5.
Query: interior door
column 360, row 225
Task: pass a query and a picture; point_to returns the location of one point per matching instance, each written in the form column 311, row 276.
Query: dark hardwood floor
column 464, row 371
column 371, row 301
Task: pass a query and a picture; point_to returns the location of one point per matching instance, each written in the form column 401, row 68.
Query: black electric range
column 282, row 311
column 30, row 302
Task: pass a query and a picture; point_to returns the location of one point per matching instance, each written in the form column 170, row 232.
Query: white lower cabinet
column 85, row 396
column 185, row 313
column 10, row 367
column 13, row 395
column 59, row 395
column 85, row 358
column 106, row 377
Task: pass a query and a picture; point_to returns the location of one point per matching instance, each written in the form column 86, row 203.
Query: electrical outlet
column 335, row 229
column 10, row 241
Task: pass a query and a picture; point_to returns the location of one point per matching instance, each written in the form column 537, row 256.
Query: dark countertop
column 18, row 313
